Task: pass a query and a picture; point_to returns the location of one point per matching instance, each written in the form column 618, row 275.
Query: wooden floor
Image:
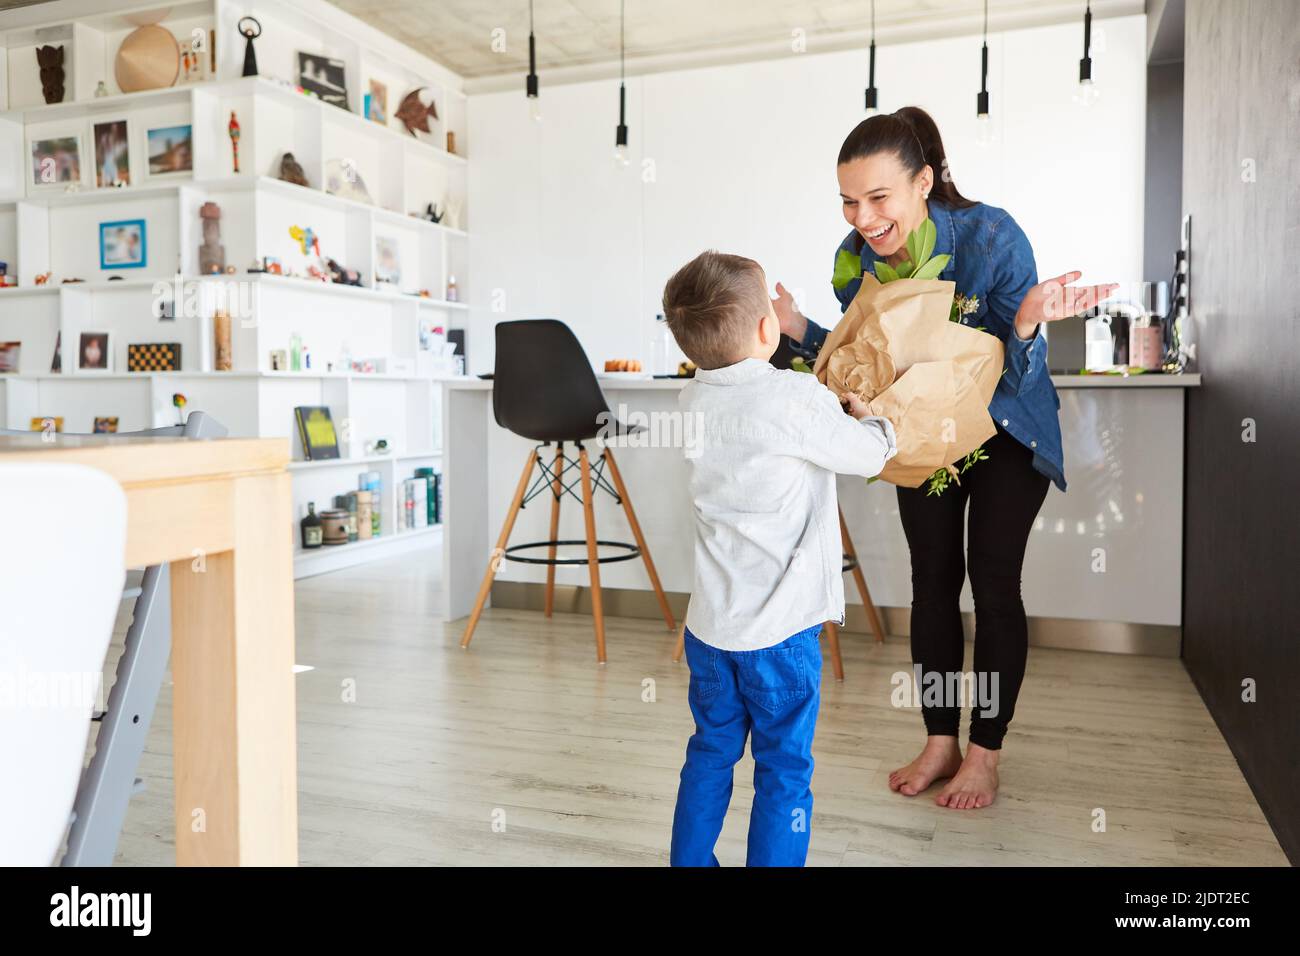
column 523, row 751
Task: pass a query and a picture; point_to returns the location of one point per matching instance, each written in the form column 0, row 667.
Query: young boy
column 767, row 557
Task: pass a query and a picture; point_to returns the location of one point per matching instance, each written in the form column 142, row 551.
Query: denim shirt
column 993, row 262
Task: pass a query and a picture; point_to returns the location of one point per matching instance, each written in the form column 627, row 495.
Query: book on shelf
column 433, row 506
column 415, row 497
column 316, row 429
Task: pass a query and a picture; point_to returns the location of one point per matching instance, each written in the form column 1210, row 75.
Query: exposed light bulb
column 1086, row 93
column 620, row 155
column 535, row 108
column 984, row 130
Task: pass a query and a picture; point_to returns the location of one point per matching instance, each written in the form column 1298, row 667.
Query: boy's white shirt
column 768, row 553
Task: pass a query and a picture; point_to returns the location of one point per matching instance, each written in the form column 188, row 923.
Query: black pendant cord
column 530, row 85
column 620, row 135
column 1085, row 65
column 871, row 68
column 982, row 100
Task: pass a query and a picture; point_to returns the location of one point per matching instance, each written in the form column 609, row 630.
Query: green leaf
column 847, row 268
column 914, row 246
column 885, row 272
column 799, row 365
column 932, row 268
column 927, row 240
column 904, row 270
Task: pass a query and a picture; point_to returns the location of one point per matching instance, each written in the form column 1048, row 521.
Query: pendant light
column 530, row 85
column 984, row 128
column 620, row 134
column 1087, row 92
column 872, row 109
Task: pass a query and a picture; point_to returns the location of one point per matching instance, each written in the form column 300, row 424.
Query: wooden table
column 220, row 512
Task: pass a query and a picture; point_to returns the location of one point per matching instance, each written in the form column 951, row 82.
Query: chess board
column 153, row 357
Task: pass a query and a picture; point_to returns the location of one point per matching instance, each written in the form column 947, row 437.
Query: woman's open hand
column 1056, row 299
column 791, row 320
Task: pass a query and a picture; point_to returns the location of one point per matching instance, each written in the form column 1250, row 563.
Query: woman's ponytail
column 912, row 135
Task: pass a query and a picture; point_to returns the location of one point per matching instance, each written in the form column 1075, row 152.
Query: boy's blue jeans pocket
column 769, row 697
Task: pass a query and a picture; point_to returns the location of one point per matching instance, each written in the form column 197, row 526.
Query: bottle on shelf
column 453, row 293
column 661, row 348
column 312, row 532
column 295, row 353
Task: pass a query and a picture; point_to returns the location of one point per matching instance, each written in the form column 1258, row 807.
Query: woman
column 893, row 175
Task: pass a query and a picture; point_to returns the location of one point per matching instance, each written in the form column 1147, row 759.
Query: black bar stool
column 545, row 390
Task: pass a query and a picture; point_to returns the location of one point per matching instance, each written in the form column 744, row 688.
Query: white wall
column 742, row 158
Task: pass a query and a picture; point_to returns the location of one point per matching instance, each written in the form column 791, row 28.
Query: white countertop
column 624, row 383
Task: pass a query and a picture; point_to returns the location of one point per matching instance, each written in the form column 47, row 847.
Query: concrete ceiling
column 582, row 33
column 582, row 36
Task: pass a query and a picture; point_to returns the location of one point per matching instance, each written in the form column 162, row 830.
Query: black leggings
column 1005, row 493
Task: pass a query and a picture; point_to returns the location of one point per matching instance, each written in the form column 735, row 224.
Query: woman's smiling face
column 882, row 201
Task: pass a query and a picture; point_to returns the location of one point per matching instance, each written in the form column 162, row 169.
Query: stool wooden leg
column 680, row 649
column 555, row 528
column 640, row 539
column 872, row 615
column 495, row 560
column 833, row 638
column 593, row 565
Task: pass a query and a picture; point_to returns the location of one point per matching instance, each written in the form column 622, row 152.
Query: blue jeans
column 772, row 694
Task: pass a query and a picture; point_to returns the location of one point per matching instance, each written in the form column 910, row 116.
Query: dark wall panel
column 1242, row 584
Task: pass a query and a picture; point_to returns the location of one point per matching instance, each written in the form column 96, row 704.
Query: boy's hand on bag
column 854, row 405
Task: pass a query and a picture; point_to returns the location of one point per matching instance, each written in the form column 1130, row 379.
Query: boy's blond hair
column 712, row 305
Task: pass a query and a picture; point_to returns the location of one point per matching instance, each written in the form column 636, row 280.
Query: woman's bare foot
column 976, row 784
column 940, row 758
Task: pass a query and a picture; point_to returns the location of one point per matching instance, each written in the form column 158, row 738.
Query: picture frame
column 94, row 352
column 169, row 151
column 123, row 244
column 10, row 353
column 377, row 103
column 112, row 154
column 105, row 425
column 388, row 262
column 324, row 76
column 56, row 162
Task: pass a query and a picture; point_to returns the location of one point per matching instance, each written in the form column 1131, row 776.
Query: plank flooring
column 523, row 751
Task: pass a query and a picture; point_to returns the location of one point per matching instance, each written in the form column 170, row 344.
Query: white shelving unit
column 55, row 229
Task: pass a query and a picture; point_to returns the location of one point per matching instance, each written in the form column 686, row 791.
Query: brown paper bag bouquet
column 901, row 348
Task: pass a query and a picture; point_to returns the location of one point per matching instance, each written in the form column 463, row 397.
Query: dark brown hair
column 912, row 136
column 712, row 305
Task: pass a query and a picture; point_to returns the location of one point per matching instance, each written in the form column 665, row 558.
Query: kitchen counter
column 627, row 383
column 1103, row 568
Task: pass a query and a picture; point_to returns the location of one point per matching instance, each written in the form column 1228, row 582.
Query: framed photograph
column 56, row 162
column 377, row 102
column 105, row 425
column 123, row 244
column 112, row 155
column 325, row 77
column 47, row 423
column 170, row 149
column 93, row 353
column 9, row 354
column 388, row 261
